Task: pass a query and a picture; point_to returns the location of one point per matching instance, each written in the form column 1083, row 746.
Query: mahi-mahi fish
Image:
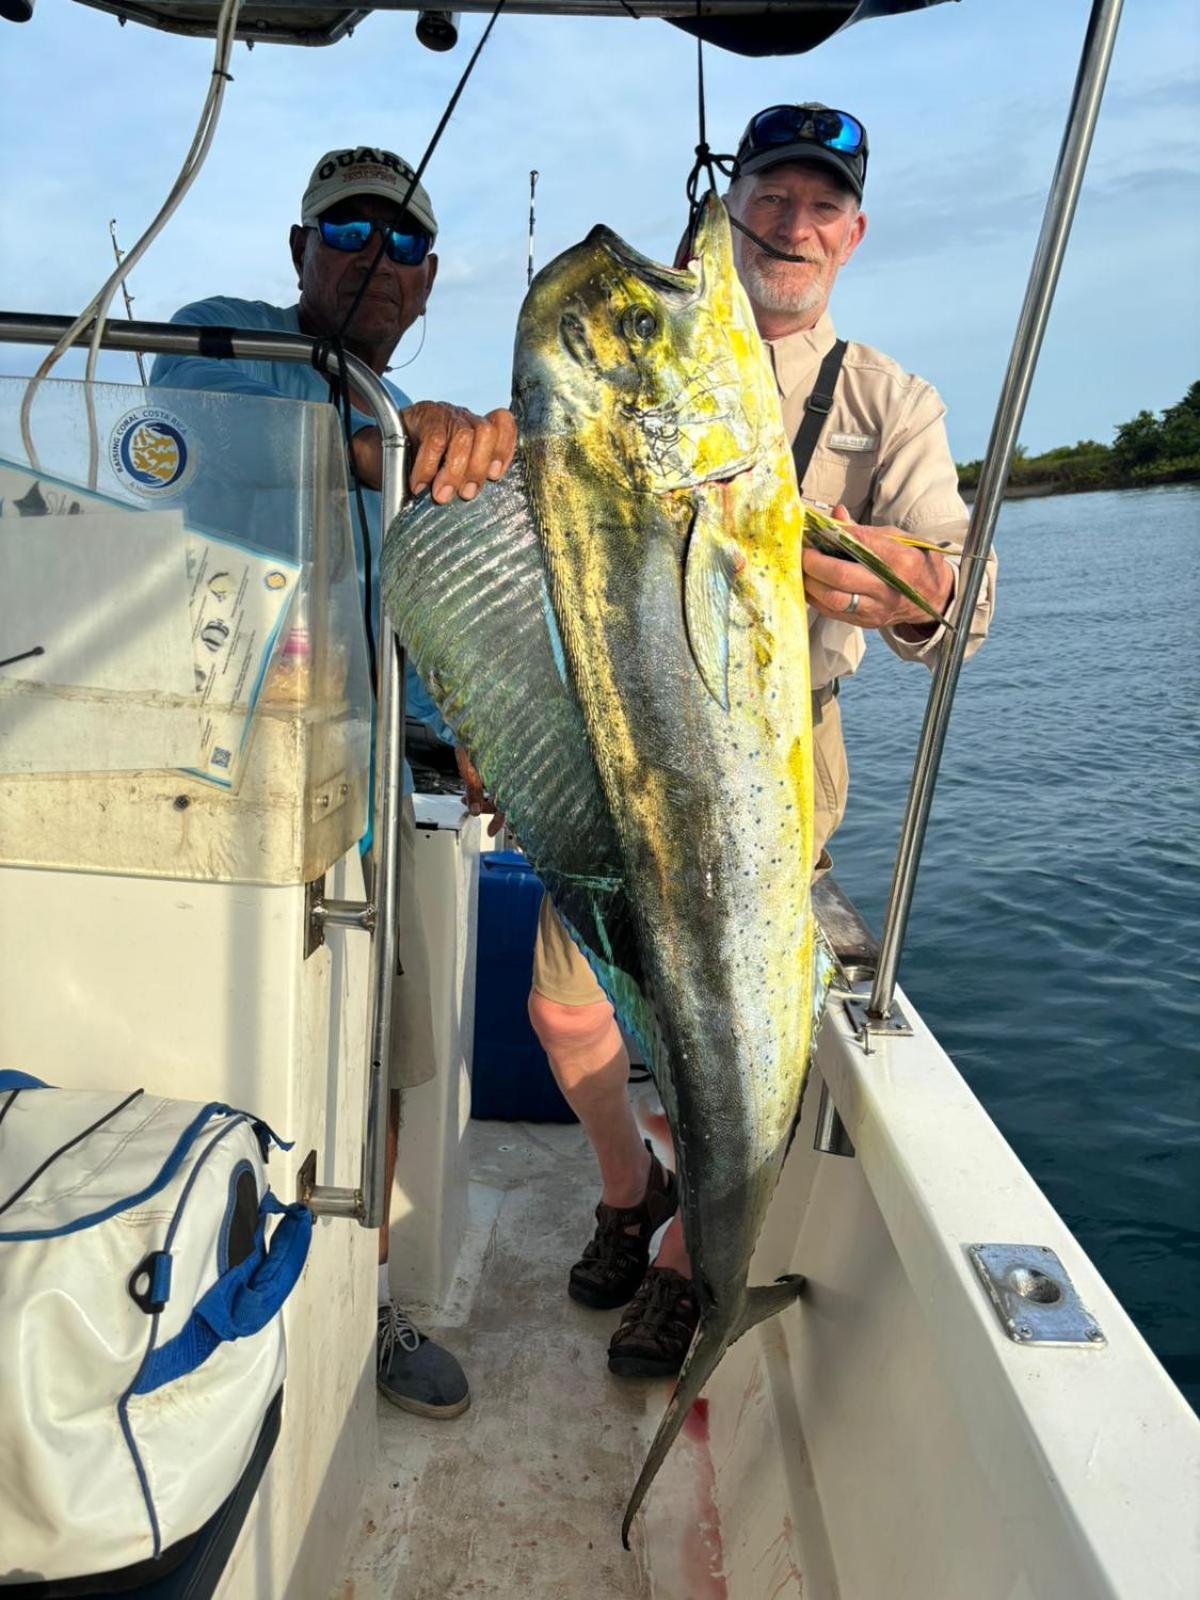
column 617, row 632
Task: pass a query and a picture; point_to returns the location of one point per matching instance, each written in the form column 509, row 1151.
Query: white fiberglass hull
column 883, row 1440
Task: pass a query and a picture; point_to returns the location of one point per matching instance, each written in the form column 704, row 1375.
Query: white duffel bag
column 140, row 1338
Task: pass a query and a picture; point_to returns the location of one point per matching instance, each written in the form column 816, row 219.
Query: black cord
column 11, row 661
column 425, row 159
column 780, row 255
column 727, row 165
column 339, row 394
column 363, row 526
column 340, row 388
column 707, row 161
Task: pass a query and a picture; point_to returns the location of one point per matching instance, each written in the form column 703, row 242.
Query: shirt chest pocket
column 842, row 471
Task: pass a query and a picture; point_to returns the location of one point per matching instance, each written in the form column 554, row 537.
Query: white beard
column 767, row 283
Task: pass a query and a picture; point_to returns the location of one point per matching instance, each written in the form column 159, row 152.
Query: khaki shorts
column 412, row 1059
column 560, row 969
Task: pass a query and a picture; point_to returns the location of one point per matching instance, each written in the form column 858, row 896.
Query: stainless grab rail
column 1027, row 343
column 378, row 913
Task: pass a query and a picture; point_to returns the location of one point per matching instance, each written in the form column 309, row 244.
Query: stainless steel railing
column 1027, row 343
column 377, row 914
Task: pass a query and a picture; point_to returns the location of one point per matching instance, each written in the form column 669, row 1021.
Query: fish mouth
column 677, row 282
column 704, row 249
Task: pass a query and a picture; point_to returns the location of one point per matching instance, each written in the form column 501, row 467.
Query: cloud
column 964, row 105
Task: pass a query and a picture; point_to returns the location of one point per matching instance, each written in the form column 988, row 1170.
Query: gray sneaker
column 416, row 1374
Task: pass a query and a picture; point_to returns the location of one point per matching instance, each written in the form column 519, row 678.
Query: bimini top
column 748, row 27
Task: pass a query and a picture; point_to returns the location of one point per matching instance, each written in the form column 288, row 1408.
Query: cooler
column 511, row 1079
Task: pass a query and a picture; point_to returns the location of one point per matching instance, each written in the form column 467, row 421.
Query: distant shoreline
column 1039, row 491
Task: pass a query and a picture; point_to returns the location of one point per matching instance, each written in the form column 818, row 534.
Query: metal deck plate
column 1033, row 1295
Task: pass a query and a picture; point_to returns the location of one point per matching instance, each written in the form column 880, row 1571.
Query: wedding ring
column 853, row 606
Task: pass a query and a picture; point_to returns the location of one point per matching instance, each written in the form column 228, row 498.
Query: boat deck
column 523, row 1495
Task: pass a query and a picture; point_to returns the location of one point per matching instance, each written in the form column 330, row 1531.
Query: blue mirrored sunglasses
column 780, row 125
column 407, row 247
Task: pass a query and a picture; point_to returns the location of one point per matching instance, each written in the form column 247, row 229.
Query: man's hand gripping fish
column 618, row 634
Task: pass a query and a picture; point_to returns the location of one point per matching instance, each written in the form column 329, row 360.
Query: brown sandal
column 615, row 1261
column 656, row 1331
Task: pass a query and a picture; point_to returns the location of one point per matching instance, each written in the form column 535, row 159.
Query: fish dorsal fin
column 465, row 589
column 711, row 564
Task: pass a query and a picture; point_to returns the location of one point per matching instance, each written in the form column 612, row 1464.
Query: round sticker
column 149, row 451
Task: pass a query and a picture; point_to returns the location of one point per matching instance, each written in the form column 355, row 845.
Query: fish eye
column 638, row 323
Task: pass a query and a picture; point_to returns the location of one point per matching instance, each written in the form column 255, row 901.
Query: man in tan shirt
column 882, row 462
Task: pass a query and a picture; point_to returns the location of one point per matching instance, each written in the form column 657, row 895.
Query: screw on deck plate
column 1032, row 1294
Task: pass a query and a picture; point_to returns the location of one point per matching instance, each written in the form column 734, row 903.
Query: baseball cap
column 363, row 170
column 808, row 132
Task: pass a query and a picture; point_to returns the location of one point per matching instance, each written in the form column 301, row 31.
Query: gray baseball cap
column 363, row 170
column 808, row 132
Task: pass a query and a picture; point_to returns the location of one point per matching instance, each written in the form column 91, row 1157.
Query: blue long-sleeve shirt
column 289, row 380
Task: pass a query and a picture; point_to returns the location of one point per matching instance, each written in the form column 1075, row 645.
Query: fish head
column 655, row 374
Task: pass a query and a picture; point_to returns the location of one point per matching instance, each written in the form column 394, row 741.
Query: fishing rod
column 533, row 178
column 118, row 256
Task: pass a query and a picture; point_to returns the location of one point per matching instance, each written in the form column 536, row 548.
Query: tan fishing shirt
column 884, row 455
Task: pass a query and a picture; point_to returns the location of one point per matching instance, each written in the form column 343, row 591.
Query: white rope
column 96, row 311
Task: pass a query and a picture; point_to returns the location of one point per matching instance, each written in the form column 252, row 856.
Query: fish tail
column 712, row 1341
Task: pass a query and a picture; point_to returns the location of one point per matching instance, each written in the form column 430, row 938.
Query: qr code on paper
column 221, row 757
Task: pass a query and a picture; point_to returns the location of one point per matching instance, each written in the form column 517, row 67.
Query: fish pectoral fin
column 710, row 567
column 835, row 539
column 766, row 1301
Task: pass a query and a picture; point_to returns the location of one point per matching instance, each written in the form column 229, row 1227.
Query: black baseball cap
column 809, row 132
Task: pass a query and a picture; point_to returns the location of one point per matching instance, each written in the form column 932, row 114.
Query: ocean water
column 1054, row 945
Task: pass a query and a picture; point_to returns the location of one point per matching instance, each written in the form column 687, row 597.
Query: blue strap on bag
column 241, row 1302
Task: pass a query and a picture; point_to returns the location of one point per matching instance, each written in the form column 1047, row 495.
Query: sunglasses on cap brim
column 784, row 125
column 408, row 247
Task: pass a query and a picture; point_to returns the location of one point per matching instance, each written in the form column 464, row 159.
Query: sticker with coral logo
column 149, row 451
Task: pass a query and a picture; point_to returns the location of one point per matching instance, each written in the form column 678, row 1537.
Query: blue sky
column 964, row 105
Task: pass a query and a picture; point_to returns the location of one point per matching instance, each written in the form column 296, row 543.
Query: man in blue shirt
column 353, row 201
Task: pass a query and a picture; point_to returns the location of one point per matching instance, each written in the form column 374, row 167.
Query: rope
column 706, row 161
column 711, row 164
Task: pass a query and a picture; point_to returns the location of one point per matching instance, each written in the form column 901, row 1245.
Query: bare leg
column 591, row 1067
column 672, row 1251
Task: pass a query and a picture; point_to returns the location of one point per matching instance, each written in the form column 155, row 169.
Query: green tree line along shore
column 1146, row 450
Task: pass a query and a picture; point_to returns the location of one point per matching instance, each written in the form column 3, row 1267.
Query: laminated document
column 130, row 640
column 96, row 634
